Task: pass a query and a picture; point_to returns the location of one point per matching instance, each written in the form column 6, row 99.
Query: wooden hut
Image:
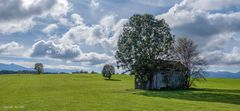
column 167, row 74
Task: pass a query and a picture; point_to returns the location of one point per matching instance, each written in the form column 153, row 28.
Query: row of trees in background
column 27, row 72
column 35, row 72
column 107, row 71
column 145, row 40
column 39, row 69
column 84, row 72
column 16, row 72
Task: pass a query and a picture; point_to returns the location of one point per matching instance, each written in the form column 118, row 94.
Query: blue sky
column 82, row 34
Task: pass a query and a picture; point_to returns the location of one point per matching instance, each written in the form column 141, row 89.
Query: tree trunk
column 187, row 84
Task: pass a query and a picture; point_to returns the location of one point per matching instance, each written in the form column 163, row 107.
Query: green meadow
column 90, row 92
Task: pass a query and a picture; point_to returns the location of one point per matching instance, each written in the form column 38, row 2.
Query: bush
column 108, row 71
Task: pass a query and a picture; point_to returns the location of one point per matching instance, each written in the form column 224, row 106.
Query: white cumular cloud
column 93, row 58
column 158, row 3
column 50, row 28
column 77, row 19
column 211, row 4
column 68, row 52
column 213, row 31
column 94, row 4
column 223, row 58
column 55, row 50
column 9, row 27
column 67, row 47
column 9, row 47
column 18, row 15
column 105, row 33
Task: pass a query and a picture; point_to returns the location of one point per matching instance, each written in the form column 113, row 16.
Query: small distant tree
column 108, row 71
column 39, row 68
column 93, row 72
column 186, row 52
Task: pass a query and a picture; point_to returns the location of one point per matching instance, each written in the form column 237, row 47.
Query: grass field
column 93, row 93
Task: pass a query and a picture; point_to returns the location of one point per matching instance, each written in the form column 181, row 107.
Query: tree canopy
column 39, row 68
column 185, row 51
column 144, row 40
column 108, row 71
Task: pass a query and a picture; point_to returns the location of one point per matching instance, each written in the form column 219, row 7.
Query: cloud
column 11, row 46
column 108, row 21
column 67, row 46
column 220, row 41
column 50, row 28
column 74, row 20
column 94, row 4
column 13, row 26
column 22, row 9
column 105, row 33
column 66, row 51
column 66, row 67
column 18, row 15
column 199, row 22
column 93, row 58
column 211, row 4
column 116, row 30
column 223, row 58
column 55, row 50
column 213, row 30
column 77, row 19
column 158, row 3
column 81, row 33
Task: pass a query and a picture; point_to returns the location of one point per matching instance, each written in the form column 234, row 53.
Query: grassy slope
column 92, row 93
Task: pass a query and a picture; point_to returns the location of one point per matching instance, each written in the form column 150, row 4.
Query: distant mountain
column 12, row 67
column 15, row 67
column 223, row 74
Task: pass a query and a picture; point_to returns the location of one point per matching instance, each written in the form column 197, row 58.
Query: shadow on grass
column 112, row 79
column 205, row 95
